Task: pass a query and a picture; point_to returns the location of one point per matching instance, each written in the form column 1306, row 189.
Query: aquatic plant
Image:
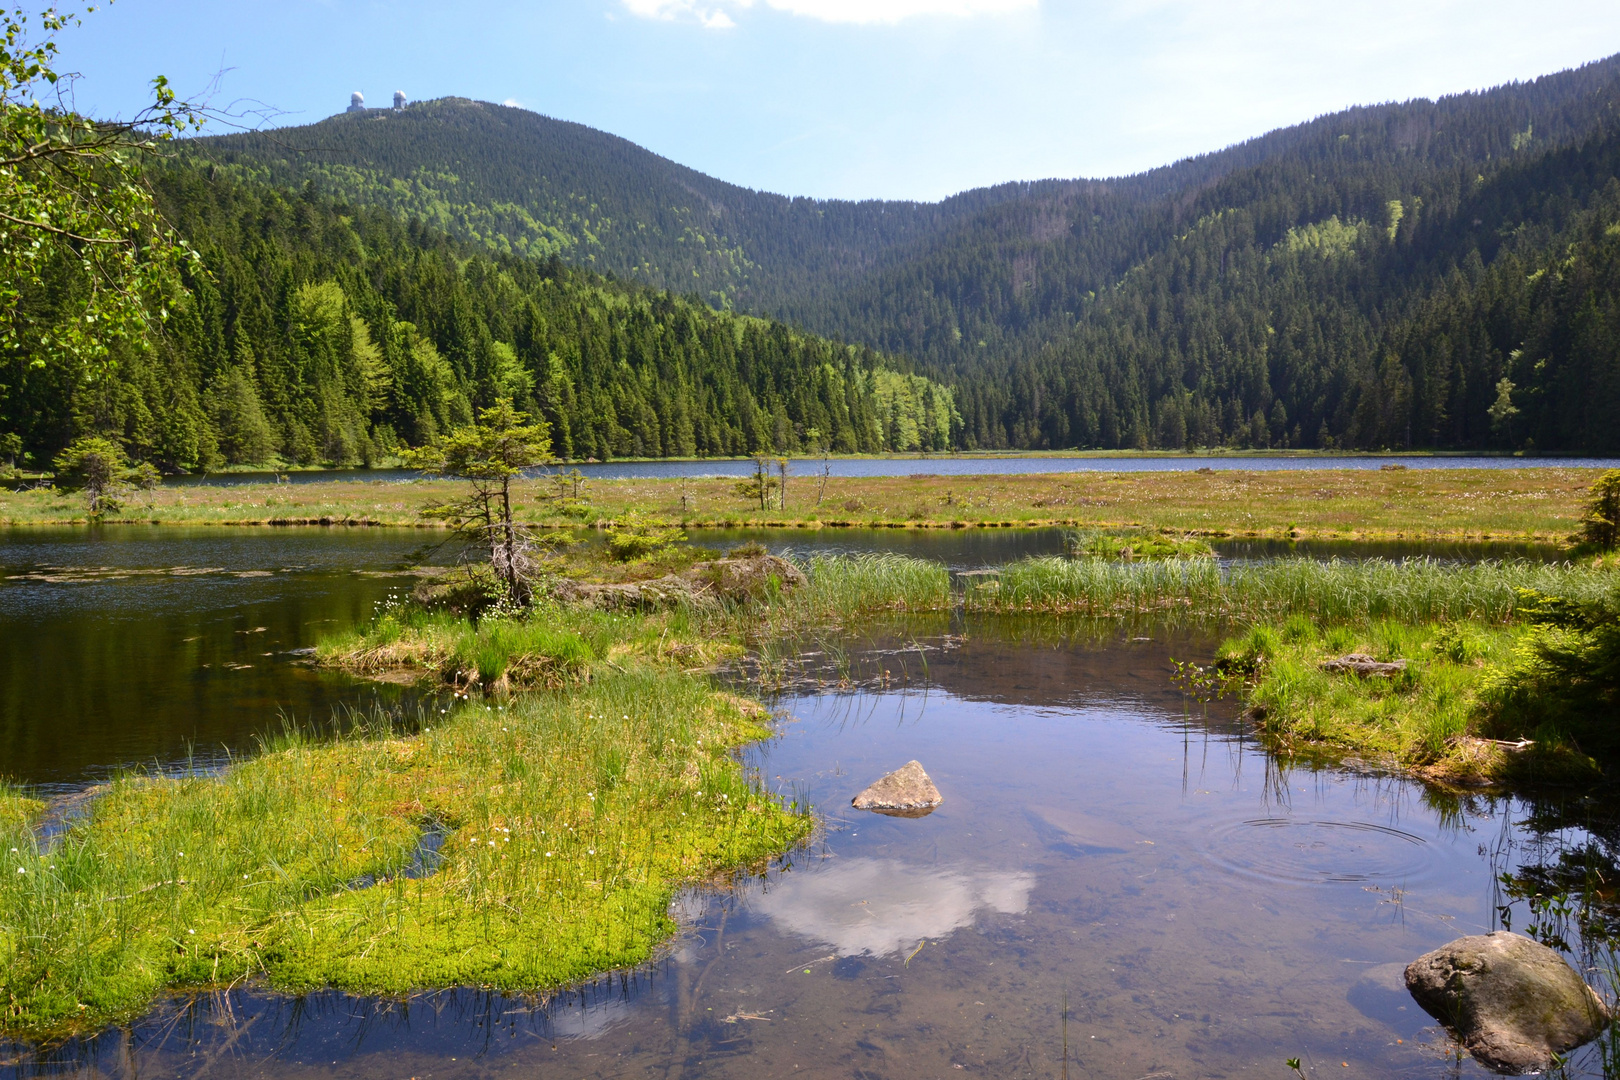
column 1413, row 590
column 527, row 649
column 636, row 536
column 842, row 584
column 1092, row 544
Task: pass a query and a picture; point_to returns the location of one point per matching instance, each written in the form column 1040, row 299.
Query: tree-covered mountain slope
column 524, row 183
column 314, row 332
column 1267, row 294
column 1313, row 316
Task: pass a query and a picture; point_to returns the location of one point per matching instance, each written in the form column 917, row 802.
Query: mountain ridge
column 1019, row 292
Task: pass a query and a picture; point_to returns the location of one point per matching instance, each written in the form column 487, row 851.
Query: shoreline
column 816, row 525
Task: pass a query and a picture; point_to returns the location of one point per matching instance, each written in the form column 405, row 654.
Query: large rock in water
column 906, row 792
column 1512, row 1001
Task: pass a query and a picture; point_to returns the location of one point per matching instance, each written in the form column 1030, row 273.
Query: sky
column 898, row 99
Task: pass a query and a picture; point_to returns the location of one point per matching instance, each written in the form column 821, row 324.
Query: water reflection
column 976, row 549
column 880, row 907
column 132, row 646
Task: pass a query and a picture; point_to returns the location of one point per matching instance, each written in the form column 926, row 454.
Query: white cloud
column 714, row 14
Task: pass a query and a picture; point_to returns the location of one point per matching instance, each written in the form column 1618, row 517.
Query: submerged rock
column 906, row 792
column 1068, row 829
column 1512, row 1001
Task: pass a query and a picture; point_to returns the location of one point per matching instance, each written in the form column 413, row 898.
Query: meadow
column 1533, row 504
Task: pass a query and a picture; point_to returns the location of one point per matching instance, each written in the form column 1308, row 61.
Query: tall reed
column 1412, row 590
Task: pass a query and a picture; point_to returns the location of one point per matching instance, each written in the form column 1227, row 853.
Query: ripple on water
column 1290, row 850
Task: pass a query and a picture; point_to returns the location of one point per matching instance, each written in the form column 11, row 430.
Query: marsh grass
column 571, row 820
column 1431, row 718
column 1410, row 717
column 854, row 584
column 1410, row 590
column 1093, row 544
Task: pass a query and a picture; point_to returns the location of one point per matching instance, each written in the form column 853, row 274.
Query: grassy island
column 516, row 841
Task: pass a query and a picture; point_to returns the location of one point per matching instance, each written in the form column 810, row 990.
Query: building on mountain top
column 357, row 102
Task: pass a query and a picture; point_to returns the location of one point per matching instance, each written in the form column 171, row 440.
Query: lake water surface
column 1120, row 883
column 953, row 465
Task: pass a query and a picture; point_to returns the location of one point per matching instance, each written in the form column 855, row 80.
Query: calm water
column 130, row 645
column 969, row 549
column 959, row 466
column 1104, row 843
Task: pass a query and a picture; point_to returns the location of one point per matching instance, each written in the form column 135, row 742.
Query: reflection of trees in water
column 207, row 1028
column 1560, row 878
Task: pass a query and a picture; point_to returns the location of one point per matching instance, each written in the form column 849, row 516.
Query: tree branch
column 62, row 232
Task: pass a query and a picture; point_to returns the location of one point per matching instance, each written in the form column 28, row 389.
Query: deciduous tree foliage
column 86, row 260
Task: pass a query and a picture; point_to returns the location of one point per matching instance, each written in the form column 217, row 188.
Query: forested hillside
column 320, row 333
column 1286, row 291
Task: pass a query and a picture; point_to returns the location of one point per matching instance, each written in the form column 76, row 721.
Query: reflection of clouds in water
column 880, row 906
column 590, row 1021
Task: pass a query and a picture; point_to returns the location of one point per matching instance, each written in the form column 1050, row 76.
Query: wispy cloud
column 715, row 15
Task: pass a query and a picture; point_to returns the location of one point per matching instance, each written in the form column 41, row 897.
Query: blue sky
column 852, row 98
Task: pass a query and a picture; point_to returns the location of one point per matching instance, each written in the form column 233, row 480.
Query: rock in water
column 906, row 792
column 1512, row 1001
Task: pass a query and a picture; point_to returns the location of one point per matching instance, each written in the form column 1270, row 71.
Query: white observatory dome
column 399, row 99
column 357, row 102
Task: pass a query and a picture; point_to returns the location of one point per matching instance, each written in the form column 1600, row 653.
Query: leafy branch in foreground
column 490, row 456
column 86, row 258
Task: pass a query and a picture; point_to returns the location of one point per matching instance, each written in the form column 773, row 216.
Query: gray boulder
column 906, row 792
column 1512, row 1001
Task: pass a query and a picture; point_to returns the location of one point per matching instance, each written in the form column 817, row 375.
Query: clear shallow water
column 946, row 465
column 1202, row 911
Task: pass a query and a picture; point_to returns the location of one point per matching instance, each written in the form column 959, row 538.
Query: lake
column 949, row 465
column 1121, row 883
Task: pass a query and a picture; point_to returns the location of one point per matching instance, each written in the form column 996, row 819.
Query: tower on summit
column 357, row 102
column 399, row 99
